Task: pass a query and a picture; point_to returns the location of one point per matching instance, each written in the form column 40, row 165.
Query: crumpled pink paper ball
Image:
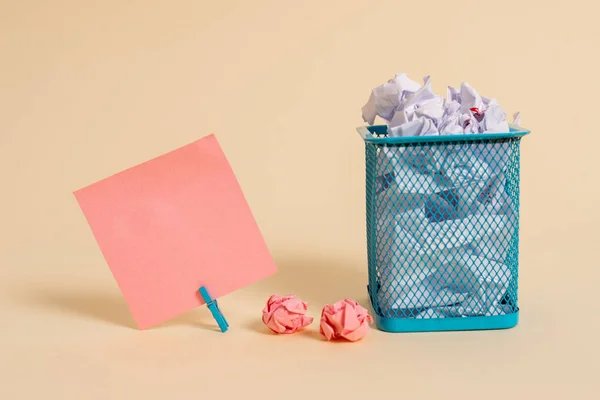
column 286, row 314
column 345, row 319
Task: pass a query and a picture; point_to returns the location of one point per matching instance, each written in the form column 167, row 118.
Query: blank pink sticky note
column 173, row 224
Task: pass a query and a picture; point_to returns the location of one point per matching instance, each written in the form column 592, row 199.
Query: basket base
column 446, row 324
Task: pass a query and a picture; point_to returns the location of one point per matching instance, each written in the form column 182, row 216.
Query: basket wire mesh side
column 442, row 231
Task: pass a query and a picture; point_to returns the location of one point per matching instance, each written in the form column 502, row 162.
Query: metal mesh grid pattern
column 442, row 228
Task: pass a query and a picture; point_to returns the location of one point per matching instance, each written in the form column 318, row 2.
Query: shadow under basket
column 443, row 230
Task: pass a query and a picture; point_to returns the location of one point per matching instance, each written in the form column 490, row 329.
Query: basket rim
column 366, row 132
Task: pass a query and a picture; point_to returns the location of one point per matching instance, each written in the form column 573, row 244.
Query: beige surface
column 89, row 89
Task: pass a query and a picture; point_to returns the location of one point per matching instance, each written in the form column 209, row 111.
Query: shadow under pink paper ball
column 285, row 314
column 345, row 319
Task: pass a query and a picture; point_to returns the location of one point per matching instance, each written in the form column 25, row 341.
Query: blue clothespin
column 214, row 309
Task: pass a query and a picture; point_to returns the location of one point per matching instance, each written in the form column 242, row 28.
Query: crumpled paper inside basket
column 444, row 227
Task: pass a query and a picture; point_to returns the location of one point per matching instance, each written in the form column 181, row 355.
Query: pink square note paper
column 175, row 223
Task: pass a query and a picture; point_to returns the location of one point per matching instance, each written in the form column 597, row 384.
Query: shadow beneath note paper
column 107, row 307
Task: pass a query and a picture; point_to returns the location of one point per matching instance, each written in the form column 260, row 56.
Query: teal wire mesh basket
column 443, row 230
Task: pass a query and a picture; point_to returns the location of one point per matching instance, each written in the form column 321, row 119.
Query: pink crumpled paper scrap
column 345, row 319
column 286, row 314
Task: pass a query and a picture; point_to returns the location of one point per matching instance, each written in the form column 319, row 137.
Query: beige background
column 90, row 88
